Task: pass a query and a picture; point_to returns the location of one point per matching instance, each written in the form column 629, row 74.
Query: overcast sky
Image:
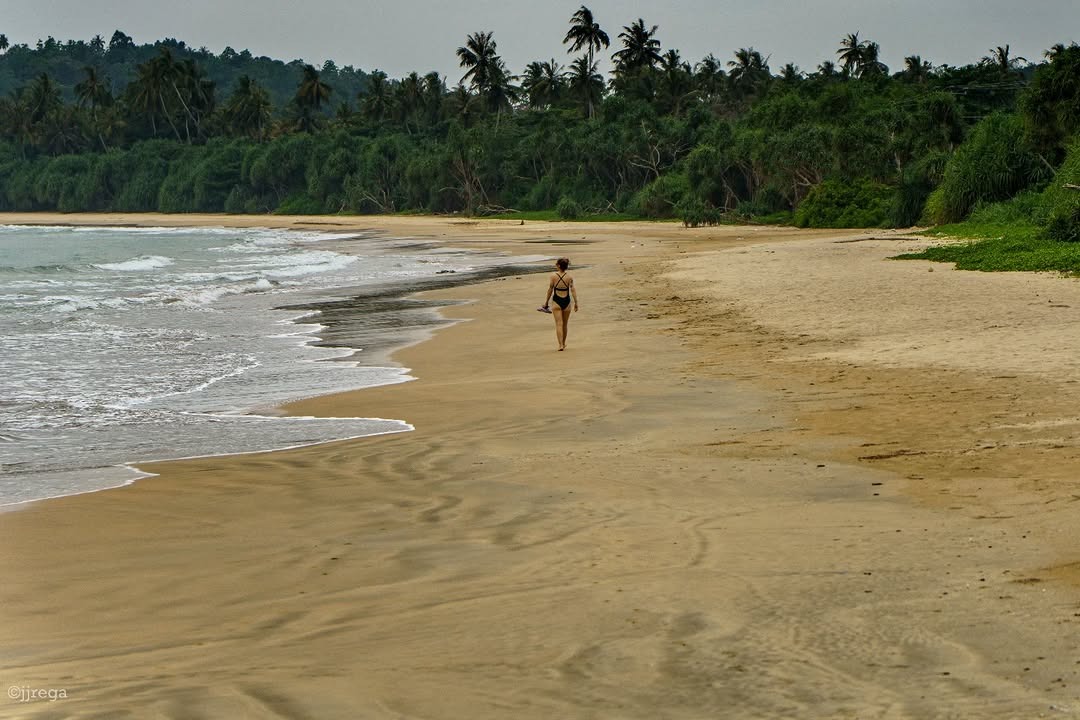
column 398, row 36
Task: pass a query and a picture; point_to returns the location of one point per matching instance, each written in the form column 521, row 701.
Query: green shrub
column 242, row 201
column 300, row 204
column 835, row 204
column 1065, row 227
column 568, row 208
column 177, row 192
column 918, row 182
column 19, row 184
column 780, row 217
column 1062, row 203
column 695, row 213
column 216, row 176
column 660, row 198
column 1028, row 208
column 908, row 203
column 994, row 163
column 66, row 183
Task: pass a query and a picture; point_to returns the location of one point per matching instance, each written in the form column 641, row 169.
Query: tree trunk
column 588, row 73
column 165, row 112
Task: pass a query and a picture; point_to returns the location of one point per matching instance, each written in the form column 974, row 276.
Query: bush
column 300, row 204
column 834, row 204
column 695, row 213
column 918, row 182
column 216, row 176
column 568, row 208
column 1027, row 208
column 767, row 202
column 660, row 198
column 176, row 194
column 994, row 163
column 1061, row 203
column 1065, row 227
column 242, row 201
column 66, row 183
column 908, row 203
column 20, row 178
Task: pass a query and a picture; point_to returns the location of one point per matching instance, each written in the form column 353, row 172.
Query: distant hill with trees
column 116, row 62
column 110, row 125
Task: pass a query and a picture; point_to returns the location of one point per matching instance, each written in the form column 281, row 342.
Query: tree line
column 850, row 143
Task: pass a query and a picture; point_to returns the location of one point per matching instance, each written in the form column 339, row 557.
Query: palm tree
column 585, row 32
column 460, row 103
column 850, row 53
column 93, row 90
column 151, row 93
column 376, row 102
column 3, row 42
column 142, row 94
column 480, row 57
column 585, row 83
column 344, row 114
column 1000, row 59
column 62, row 132
column 433, row 91
column 791, row 74
column 1055, row 52
column 108, row 124
column 312, row 92
column 640, row 49
column 870, row 65
column 676, row 80
column 248, row 108
column 749, row 70
column 195, row 93
column 827, row 69
column 501, row 91
column 916, row 69
column 42, row 97
column 409, row 99
column 487, row 73
column 310, row 95
column 531, row 85
column 173, row 90
column 709, row 76
column 16, row 120
column 543, row 83
column 860, row 58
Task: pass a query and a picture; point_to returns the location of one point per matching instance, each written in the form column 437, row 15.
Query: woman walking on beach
column 561, row 289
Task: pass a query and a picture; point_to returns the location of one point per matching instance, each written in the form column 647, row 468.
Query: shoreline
column 756, row 483
column 401, row 292
column 120, row 469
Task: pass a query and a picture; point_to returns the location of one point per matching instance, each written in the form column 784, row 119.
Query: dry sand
column 775, row 475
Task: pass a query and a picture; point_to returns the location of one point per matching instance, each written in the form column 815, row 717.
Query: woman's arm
column 551, row 289
column 573, row 292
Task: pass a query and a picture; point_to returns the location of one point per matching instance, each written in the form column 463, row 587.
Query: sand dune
column 773, row 476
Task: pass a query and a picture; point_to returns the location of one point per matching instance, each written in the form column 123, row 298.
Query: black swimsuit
column 563, row 302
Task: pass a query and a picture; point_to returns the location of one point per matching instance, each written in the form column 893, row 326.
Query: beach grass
column 995, row 247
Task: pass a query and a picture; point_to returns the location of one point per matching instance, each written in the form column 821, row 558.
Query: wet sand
column 774, row 475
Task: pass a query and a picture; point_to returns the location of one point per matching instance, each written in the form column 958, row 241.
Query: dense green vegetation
column 1035, row 230
column 116, row 126
column 1003, row 247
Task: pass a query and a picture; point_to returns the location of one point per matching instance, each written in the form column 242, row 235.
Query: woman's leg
column 560, row 316
column 565, row 324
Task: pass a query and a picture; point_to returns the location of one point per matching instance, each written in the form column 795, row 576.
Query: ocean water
column 121, row 345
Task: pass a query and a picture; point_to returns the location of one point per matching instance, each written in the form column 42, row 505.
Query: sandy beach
column 775, row 475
